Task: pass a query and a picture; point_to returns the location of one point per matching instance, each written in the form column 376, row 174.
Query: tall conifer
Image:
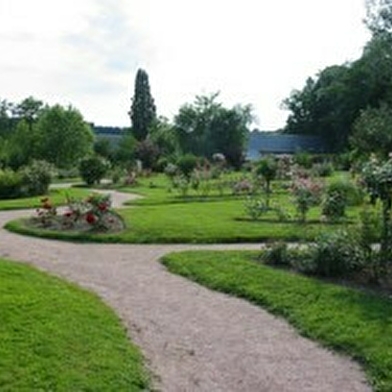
column 143, row 110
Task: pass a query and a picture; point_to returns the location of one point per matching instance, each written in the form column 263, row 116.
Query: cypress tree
column 143, row 111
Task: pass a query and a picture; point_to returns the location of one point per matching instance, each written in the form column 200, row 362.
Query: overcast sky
column 86, row 52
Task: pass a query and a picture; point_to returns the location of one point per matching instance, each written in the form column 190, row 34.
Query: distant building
column 113, row 134
column 265, row 143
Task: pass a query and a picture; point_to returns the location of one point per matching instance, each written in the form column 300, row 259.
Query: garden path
column 193, row 339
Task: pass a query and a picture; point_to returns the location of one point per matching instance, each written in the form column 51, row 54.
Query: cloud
column 87, row 52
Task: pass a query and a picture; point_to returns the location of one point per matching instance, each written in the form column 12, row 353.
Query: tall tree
column 379, row 17
column 206, row 127
column 143, row 110
column 29, row 110
column 63, row 136
column 7, row 123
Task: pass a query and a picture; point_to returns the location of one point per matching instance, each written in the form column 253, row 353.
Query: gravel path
column 193, row 339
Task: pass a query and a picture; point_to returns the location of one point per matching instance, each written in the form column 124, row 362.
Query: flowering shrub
column 46, row 213
column 377, row 178
column 307, row 193
column 334, row 205
column 93, row 213
column 255, row 207
column 243, row 186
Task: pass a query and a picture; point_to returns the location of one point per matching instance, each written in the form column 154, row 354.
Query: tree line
column 350, row 105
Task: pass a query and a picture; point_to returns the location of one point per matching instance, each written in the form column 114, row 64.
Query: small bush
column 352, row 193
column 10, row 184
column 276, row 254
column 334, row 205
column 92, row 169
column 36, row 178
column 303, row 159
column 187, row 164
column 324, row 169
column 337, row 254
column 255, row 207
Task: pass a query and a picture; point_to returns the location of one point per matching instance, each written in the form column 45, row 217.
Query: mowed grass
column 348, row 320
column 202, row 222
column 166, row 217
column 55, row 336
column 57, row 196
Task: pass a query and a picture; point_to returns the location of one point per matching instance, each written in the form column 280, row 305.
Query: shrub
column 117, row 174
column 334, row 205
column 255, row 207
column 92, row 169
column 352, row 193
column 36, row 178
column 303, row 159
column 323, row 169
column 306, row 194
column 267, row 168
column 92, row 214
column 277, row 254
column 187, row 164
column 10, row 184
column 337, row 254
column 242, row 186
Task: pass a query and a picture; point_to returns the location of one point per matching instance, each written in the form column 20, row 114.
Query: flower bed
column 92, row 214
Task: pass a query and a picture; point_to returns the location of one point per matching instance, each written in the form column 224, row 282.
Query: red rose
column 102, row 206
column 90, row 218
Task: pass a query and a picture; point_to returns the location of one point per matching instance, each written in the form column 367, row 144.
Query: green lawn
column 348, row 320
column 57, row 196
column 166, row 217
column 55, row 336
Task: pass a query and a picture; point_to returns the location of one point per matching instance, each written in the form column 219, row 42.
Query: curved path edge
column 193, row 339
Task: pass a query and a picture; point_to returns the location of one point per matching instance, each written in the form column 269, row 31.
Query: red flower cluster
column 90, row 218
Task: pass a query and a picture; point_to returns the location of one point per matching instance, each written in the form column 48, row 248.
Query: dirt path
column 193, row 339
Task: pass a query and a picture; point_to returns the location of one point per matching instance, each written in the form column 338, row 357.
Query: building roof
column 262, row 143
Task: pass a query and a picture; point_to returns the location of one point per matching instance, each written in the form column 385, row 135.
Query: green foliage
column 277, row 254
column 267, row 168
column 306, row 193
column 255, row 207
column 21, row 145
column 63, row 136
column 334, row 205
column 338, row 196
column 10, row 184
column 205, row 128
column 337, row 254
column 143, row 110
column 377, row 177
column 36, row 178
column 124, row 155
column 56, row 336
column 322, row 169
column 379, row 17
column 373, row 131
column 163, row 135
column 93, row 169
column 148, row 153
column 354, row 321
column 349, row 190
column 103, row 148
column 303, row 159
column 330, row 103
column 186, row 164
column 29, row 110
